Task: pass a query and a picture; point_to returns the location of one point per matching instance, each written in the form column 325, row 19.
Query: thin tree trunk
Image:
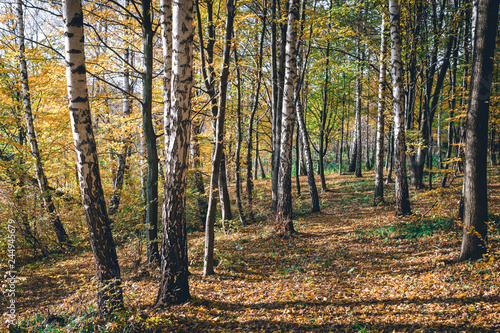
column 198, row 175
column 474, row 239
column 297, row 164
column 313, row 191
column 249, row 183
column 126, row 149
column 379, row 168
column 225, row 202
column 279, row 106
column 174, row 286
column 284, row 202
column 322, row 150
column 238, row 141
column 257, row 152
column 390, row 158
column 208, row 268
column 401, row 187
column 367, row 151
column 149, row 136
column 342, row 127
column 110, row 295
column 62, row 236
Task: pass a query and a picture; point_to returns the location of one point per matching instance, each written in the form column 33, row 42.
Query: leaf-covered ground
column 353, row 267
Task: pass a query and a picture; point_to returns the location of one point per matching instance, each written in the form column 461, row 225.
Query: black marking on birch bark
column 79, row 70
column 80, row 99
column 76, row 21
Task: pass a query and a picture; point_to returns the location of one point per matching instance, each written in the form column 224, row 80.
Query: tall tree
column 255, row 106
column 379, row 168
column 126, row 149
column 279, row 81
column 284, row 202
column 474, row 239
column 110, row 295
column 322, row 148
column 210, row 80
column 149, row 134
column 238, row 140
column 355, row 162
column 174, row 286
column 401, row 183
column 43, row 184
column 217, row 158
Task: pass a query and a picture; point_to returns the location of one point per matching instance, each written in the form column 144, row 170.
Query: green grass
column 412, row 230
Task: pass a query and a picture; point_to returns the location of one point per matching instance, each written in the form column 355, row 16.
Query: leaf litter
column 352, row 268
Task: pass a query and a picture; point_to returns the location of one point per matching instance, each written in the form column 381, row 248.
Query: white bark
column 174, row 287
column 284, row 204
column 101, row 240
column 401, row 183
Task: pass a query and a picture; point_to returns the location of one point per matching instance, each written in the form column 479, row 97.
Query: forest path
column 353, row 267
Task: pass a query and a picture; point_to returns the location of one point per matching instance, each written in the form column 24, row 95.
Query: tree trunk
column 367, row 151
column 198, row 175
column 474, row 239
column 277, row 121
column 379, row 168
column 218, row 151
column 342, row 127
column 149, row 136
column 322, row 150
column 401, row 185
column 284, row 202
column 238, row 141
column 297, row 163
column 225, row 201
column 313, row 191
column 110, row 295
column 249, row 184
column 174, row 286
column 126, row 149
column 43, row 185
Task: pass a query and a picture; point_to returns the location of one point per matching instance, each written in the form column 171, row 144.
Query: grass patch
column 413, row 230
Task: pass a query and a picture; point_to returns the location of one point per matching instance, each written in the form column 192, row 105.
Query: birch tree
column 401, row 182
column 284, row 200
column 107, row 269
column 174, row 286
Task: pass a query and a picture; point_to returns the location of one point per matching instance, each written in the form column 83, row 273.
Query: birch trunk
column 401, row 183
column 107, row 269
column 284, row 199
column 174, row 286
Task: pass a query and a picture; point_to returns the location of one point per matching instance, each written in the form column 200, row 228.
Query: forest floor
column 351, row 268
